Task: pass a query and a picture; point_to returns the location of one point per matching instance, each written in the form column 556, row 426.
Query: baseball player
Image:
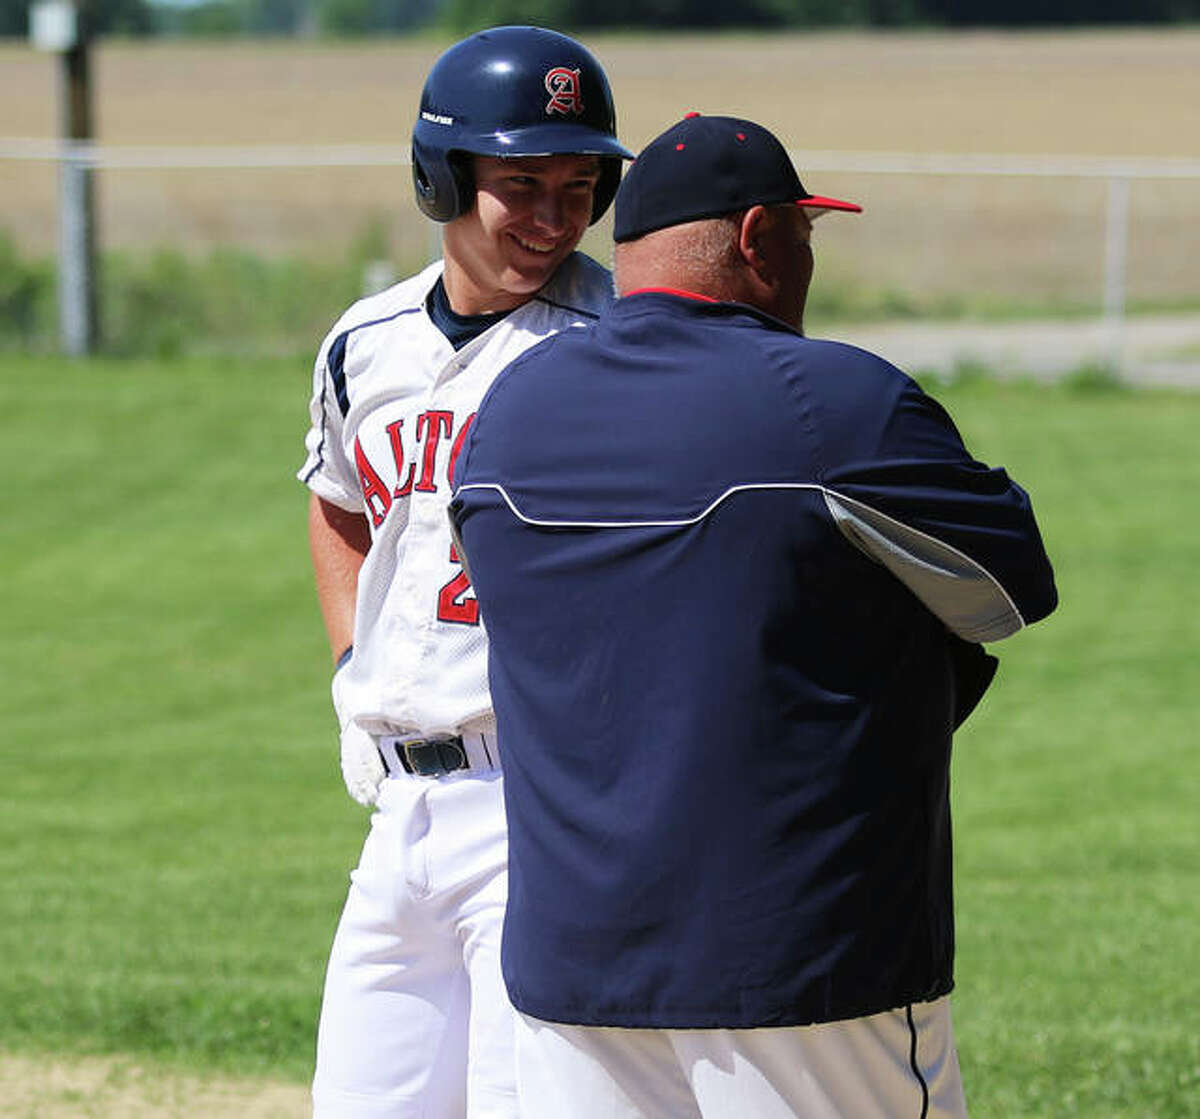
column 736, row 589
column 514, row 151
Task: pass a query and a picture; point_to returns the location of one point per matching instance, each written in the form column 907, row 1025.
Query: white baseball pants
column 415, row 1021
column 898, row 1065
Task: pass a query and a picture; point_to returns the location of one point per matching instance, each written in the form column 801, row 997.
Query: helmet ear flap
column 606, row 187
column 442, row 182
column 462, row 170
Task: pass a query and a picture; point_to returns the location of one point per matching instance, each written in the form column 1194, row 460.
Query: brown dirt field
column 1115, row 93
column 1102, row 93
column 94, row 1088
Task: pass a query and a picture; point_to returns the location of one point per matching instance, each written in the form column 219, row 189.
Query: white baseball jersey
column 392, row 402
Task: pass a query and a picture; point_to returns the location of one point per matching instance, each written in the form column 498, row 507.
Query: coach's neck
column 733, row 258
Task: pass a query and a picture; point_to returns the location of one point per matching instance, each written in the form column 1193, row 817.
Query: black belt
column 430, row 757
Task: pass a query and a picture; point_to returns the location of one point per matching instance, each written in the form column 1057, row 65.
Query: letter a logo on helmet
column 563, row 86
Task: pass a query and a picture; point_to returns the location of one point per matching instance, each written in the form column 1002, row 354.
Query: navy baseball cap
column 704, row 167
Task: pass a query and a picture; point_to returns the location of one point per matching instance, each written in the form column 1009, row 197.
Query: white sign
column 53, row 25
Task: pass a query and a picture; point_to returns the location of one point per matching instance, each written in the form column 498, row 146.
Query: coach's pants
column 897, row 1065
column 415, row 1022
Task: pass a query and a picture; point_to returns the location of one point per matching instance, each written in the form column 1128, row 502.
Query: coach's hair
column 694, row 256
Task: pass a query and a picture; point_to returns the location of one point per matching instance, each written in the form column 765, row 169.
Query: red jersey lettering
column 455, row 602
column 393, row 431
column 375, row 494
column 457, row 448
column 433, row 424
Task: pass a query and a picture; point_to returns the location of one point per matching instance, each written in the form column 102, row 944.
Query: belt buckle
column 431, row 757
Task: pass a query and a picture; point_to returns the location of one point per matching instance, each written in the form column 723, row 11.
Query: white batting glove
column 362, row 767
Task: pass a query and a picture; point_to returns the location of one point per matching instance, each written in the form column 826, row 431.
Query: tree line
column 356, row 17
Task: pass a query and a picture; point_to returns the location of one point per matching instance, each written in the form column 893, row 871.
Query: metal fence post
column 76, row 252
column 63, row 27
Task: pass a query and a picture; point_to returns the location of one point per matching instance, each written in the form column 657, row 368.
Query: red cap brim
column 823, row 205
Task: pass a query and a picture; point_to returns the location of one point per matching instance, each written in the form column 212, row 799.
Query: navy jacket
column 735, row 583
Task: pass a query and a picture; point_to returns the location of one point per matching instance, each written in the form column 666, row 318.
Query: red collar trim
column 675, row 291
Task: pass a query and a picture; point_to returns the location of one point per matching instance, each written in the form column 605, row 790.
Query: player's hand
column 362, row 769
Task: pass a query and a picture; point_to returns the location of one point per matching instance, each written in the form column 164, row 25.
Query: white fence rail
column 1117, row 172
column 165, row 157
column 124, row 157
column 82, row 158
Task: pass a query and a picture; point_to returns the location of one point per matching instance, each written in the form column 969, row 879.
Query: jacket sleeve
column 960, row 535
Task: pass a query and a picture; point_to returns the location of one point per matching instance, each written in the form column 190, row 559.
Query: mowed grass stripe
column 175, row 840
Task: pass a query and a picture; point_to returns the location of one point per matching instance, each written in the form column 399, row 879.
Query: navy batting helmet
column 511, row 91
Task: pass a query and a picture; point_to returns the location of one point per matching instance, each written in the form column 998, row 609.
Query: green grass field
column 174, row 838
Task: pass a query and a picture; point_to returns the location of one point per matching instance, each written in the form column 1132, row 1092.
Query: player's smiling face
column 529, row 215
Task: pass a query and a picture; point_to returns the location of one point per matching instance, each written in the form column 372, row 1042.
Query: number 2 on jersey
column 455, row 601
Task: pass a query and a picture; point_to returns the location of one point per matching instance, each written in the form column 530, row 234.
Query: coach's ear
column 752, row 240
column 759, row 278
